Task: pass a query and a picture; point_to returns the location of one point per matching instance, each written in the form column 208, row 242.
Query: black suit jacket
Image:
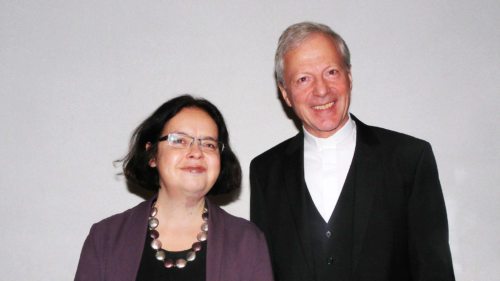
column 399, row 225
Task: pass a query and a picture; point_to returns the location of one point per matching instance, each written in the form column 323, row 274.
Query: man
column 343, row 200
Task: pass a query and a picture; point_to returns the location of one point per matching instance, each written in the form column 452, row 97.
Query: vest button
column 329, row 261
column 328, row 234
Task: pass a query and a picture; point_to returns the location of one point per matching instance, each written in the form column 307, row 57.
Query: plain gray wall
column 76, row 77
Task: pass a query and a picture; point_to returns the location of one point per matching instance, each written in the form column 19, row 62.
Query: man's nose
column 320, row 87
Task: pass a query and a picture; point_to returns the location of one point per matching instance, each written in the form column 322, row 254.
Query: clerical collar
column 344, row 134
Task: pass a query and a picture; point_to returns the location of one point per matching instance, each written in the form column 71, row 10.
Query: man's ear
column 152, row 161
column 284, row 95
column 350, row 79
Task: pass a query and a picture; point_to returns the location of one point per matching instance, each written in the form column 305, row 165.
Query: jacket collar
column 369, row 171
column 294, row 181
column 216, row 226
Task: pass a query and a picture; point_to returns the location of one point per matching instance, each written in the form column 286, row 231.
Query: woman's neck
column 180, row 220
column 177, row 206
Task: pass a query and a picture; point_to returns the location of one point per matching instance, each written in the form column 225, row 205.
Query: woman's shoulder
column 118, row 222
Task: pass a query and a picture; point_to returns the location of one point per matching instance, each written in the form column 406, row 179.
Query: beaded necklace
column 160, row 254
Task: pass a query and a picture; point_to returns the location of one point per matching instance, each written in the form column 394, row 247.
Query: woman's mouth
column 194, row 169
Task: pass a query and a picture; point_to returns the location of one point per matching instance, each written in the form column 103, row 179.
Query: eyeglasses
column 183, row 141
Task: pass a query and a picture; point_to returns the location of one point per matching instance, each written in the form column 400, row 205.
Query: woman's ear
column 152, row 161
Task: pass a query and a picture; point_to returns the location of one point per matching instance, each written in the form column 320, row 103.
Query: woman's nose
column 194, row 150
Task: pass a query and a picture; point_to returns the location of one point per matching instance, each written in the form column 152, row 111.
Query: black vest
column 330, row 243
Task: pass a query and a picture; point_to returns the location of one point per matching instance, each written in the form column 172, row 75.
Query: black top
column 152, row 269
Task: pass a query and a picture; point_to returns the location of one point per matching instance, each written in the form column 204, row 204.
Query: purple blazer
column 236, row 250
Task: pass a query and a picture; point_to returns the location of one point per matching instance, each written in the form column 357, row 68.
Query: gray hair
column 295, row 34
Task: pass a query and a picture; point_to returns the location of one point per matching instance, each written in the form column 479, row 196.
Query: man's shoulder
column 391, row 144
column 395, row 136
column 386, row 136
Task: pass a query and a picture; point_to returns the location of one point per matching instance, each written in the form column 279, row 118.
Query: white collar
column 333, row 141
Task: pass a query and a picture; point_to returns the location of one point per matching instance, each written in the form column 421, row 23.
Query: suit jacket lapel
column 294, row 181
column 367, row 179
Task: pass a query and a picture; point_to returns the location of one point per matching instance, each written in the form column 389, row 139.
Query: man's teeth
column 324, row 106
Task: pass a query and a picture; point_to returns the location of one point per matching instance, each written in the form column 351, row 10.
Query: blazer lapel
column 215, row 243
column 294, row 181
column 132, row 243
column 367, row 179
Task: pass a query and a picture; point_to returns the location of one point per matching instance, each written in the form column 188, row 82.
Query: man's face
column 317, row 85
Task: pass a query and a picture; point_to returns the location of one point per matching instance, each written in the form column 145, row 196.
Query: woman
column 181, row 151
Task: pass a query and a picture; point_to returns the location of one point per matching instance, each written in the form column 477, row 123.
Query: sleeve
column 90, row 264
column 429, row 251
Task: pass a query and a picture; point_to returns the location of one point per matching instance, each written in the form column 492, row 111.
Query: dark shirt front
column 152, row 269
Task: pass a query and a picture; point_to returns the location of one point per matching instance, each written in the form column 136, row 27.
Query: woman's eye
column 178, row 141
column 210, row 145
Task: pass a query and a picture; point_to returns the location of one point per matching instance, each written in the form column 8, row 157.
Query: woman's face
column 190, row 171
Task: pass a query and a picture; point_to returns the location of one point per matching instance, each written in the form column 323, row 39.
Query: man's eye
column 302, row 79
column 333, row 72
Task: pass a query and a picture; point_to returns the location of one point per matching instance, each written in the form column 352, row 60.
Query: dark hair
column 136, row 163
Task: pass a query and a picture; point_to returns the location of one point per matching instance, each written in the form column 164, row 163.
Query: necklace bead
column 180, row 263
column 196, row 246
column 169, row 263
column 153, row 212
column 202, row 236
column 156, row 244
column 204, row 227
column 153, row 233
column 191, row 255
column 153, row 222
column 160, row 255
